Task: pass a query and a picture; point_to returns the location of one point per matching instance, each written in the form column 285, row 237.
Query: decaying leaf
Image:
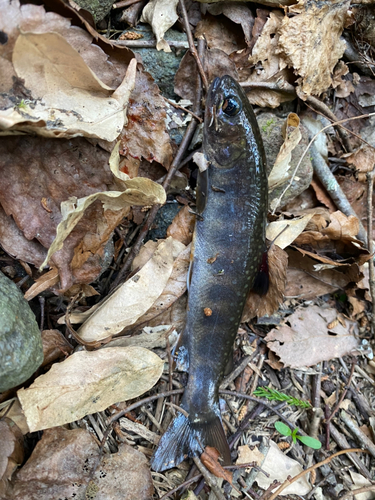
column 308, row 341
column 88, row 382
column 12, row 452
column 247, row 455
column 134, row 298
column 182, row 226
column 55, row 346
column 64, row 103
column 363, row 158
column 310, row 41
column 219, row 34
column 292, row 136
column 138, row 191
column 210, row 459
column 280, row 467
column 257, row 305
column 44, row 282
column 284, row 232
column 236, row 12
column 75, row 452
column 162, row 15
column 150, row 338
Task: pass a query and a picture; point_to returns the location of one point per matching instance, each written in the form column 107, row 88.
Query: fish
column 228, row 258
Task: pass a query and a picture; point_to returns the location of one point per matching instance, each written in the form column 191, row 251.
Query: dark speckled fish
column 229, row 250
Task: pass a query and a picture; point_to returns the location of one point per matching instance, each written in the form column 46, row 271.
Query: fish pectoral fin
column 184, row 438
column 202, row 191
column 262, row 279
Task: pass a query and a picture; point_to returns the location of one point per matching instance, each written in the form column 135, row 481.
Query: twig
column 370, row 245
column 362, row 438
column 343, row 394
column 287, row 482
column 344, row 445
column 192, row 48
column 240, row 368
column 42, row 302
column 274, row 86
column 325, row 111
column 308, row 147
column 182, row 485
column 149, row 44
column 338, row 196
column 353, row 493
column 124, row 3
column 210, row 479
column 171, row 172
column 175, row 105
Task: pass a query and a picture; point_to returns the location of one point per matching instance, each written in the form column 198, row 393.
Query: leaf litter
column 86, row 141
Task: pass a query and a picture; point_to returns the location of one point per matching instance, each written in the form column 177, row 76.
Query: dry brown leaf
column 257, row 305
column 322, row 195
column 292, row 136
column 310, row 41
column 308, row 341
column 210, row 459
column 12, row 452
column 246, row 455
column 88, row 382
column 220, row 34
column 134, row 298
column 41, row 60
column 55, row 346
column 150, row 338
column 162, row 15
column 75, row 452
column 284, row 232
column 182, row 226
column 174, row 315
column 363, row 158
column 146, row 134
column 304, row 281
column 14, row 242
column 14, row 412
column 342, row 227
column 236, row 12
column 47, row 280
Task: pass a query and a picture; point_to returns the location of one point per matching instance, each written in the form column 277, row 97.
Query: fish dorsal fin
column 262, row 279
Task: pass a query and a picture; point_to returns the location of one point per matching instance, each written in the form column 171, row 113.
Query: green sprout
column 266, row 128
column 307, row 440
column 21, row 105
column 274, row 395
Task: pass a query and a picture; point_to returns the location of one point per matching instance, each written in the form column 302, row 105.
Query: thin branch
column 177, row 106
column 370, row 245
column 210, row 479
column 308, row 147
column 353, row 493
column 149, row 44
column 192, row 48
column 287, row 482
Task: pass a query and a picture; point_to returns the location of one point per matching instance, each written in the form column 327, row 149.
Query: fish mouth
column 214, row 102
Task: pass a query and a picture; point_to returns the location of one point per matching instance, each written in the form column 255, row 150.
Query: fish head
column 227, row 125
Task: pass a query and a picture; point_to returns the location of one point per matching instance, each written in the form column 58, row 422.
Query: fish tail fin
column 184, row 438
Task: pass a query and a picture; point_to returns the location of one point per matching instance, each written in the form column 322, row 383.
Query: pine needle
column 274, row 395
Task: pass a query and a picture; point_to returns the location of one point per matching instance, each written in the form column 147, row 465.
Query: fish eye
column 232, row 105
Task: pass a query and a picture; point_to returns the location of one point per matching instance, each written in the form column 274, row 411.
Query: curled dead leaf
column 210, row 459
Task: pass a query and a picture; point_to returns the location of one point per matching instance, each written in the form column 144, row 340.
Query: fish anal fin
column 262, row 279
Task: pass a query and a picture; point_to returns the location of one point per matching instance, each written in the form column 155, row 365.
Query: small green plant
column 274, row 395
column 21, row 104
column 267, row 127
column 307, row 440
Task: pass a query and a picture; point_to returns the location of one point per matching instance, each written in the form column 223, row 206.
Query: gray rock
column 21, row 351
column 98, row 8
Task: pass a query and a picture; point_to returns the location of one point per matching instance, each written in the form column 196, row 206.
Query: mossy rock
column 21, row 351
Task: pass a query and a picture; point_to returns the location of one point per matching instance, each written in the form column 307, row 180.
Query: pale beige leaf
column 280, row 467
column 134, row 298
column 68, row 99
column 310, row 41
column 139, row 191
column 282, row 237
column 162, row 15
column 308, row 341
column 247, row 455
column 292, row 137
column 43, row 283
column 150, row 338
column 88, row 382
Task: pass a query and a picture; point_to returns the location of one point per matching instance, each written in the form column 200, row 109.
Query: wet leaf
column 88, row 382
column 12, row 452
column 210, row 459
column 308, row 341
column 182, row 226
column 134, row 298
